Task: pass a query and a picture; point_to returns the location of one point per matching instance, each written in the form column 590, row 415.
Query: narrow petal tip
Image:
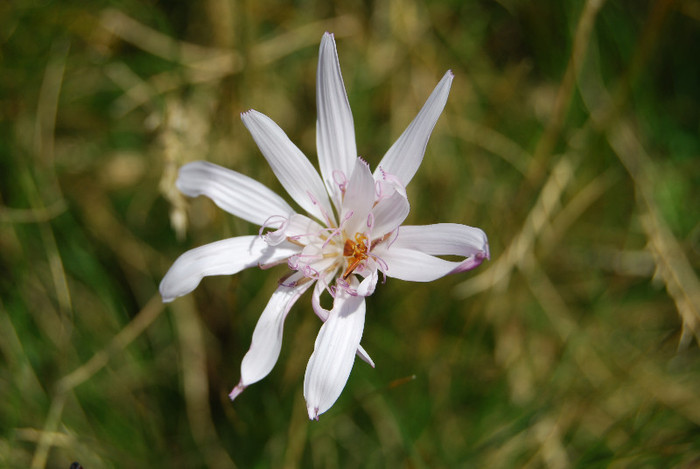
column 165, row 294
column 472, row 263
column 235, row 392
column 313, row 413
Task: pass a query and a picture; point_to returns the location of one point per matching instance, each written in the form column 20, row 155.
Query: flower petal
column 239, row 195
column 335, row 130
column 323, row 314
column 406, row 154
column 367, row 285
column 296, row 228
column 412, row 256
column 364, row 356
column 225, row 257
column 389, row 213
column 358, row 199
column 292, row 168
column 334, row 353
column 267, row 338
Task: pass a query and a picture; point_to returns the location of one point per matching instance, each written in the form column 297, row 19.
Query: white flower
column 350, row 234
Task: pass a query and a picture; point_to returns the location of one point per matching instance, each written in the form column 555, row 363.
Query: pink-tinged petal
column 292, row 168
column 225, row 257
column 334, row 353
column 239, row 195
column 412, row 255
column 389, row 213
column 267, row 338
column 358, row 199
column 335, row 130
column 406, row 154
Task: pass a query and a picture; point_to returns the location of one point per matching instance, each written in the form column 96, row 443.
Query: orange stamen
column 356, row 251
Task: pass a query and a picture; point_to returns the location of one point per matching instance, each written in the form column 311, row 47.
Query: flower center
column 356, row 252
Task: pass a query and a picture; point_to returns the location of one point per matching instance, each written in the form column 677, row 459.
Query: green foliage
column 570, row 137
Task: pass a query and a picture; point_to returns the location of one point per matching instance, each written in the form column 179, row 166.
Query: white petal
column 267, row 338
column 411, row 256
column 225, row 257
column 358, row 199
column 297, row 227
column 301, row 228
column 444, row 239
column 406, row 154
column 323, row 314
column 292, row 168
column 367, row 285
column 389, row 213
column 320, row 311
column 364, row 356
column 239, row 195
column 334, row 353
column 335, row 130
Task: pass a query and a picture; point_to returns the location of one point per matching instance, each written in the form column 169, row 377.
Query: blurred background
column 571, row 136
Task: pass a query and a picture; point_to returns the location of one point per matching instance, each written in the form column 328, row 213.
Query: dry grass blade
column 196, row 384
column 582, row 38
column 673, row 265
column 161, row 45
column 537, row 220
column 38, row 215
column 307, row 35
column 203, row 64
column 131, row 331
column 64, row 386
column 492, row 141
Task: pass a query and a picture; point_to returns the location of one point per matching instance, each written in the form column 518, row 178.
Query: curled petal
column 412, row 256
column 239, row 195
column 302, row 227
column 225, row 257
column 320, row 311
column 335, row 130
column 406, row 154
column 292, row 168
column 334, row 353
column 296, row 228
column 267, row 337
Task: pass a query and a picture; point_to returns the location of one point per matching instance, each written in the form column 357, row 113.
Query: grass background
column 571, row 136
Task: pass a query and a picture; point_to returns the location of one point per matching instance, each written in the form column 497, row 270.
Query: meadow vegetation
column 571, row 136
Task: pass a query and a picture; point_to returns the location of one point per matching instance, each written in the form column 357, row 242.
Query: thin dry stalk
column 672, row 264
column 582, row 38
column 524, row 242
column 83, row 373
column 196, row 384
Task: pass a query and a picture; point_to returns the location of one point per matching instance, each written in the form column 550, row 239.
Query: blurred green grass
column 571, row 136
